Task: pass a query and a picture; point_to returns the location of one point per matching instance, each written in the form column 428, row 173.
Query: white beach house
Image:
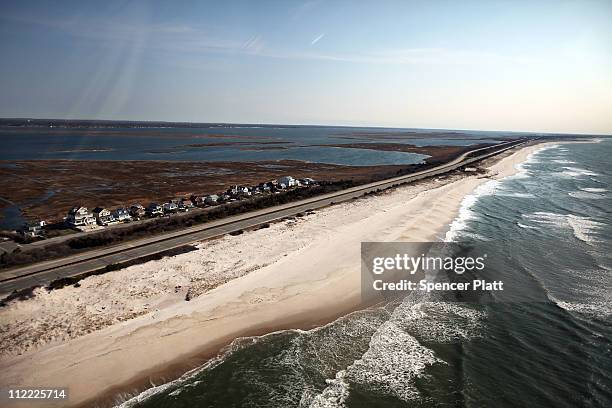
column 33, row 229
column 103, row 216
column 80, row 216
column 286, row 181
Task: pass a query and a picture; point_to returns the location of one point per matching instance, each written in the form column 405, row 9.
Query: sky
column 535, row 65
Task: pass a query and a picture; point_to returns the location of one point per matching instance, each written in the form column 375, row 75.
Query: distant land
column 110, row 124
column 89, row 123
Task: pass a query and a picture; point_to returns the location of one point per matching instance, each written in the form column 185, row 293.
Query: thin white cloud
column 167, row 36
column 253, row 45
column 317, row 39
column 194, row 40
column 413, row 56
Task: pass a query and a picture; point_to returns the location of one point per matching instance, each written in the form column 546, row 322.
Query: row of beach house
column 82, row 218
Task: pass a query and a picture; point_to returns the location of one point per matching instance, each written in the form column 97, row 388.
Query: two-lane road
column 45, row 272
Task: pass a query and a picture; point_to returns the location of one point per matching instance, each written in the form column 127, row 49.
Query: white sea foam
column 549, row 146
column 532, row 158
column 577, row 172
column 459, row 224
column 594, row 190
column 186, row 380
column 523, row 172
column 585, row 195
column 132, row 401
column 599, row 309
column 526, row 226
column 334, row 395
column 393, row 360
column 583, row 228
column 395, row 357
column 441, row 322
column 352, row 324
column 466, row 214
column 597, row 298
column 563, row 161
column 516, row 195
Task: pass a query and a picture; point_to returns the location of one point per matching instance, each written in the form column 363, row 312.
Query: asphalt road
column 45, row 272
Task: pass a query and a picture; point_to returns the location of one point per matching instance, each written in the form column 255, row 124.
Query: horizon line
column 304, row 125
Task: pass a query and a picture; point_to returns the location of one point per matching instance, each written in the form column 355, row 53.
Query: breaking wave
column 584, row 228
column 594, row 190
column 585, row 195
column 396, row 357
column 577, row 172
column 459, row 224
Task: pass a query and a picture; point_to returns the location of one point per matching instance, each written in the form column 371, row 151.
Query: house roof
column 76, row 209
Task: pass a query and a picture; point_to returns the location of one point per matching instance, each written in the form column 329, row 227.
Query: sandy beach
column 118, row 333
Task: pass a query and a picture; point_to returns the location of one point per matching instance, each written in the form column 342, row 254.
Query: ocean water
column 547, row 230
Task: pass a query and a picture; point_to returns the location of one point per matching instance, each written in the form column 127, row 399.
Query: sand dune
column 119, row 330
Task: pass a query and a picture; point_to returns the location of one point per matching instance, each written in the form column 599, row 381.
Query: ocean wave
column 585, row 195
column 523, row 171
column 602, row 310
column 459, row 224
column 389, row 367
column 515, row 195
column 187, row 379
column 133, row 401
column 393, row 361
column 333, row 396
column 526, row 226
column 396, row 357
column 594, row 308
column 441, row 322
column 594, row 190
column 548, row 147
column 343, row 332
column 583, row 228
column 563, row 161
column 532, row 158
column 577, row 172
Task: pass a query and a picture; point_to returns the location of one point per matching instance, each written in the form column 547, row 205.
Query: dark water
column 11, row 217
column 267, row 143
column 548, row 230
column 256, row 143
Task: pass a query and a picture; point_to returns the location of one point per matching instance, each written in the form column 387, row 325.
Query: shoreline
column 115, row 360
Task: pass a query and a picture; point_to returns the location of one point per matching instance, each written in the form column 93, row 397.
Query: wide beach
column 120, row 332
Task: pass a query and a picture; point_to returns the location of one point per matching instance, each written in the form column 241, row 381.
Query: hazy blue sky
column 515, row 65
